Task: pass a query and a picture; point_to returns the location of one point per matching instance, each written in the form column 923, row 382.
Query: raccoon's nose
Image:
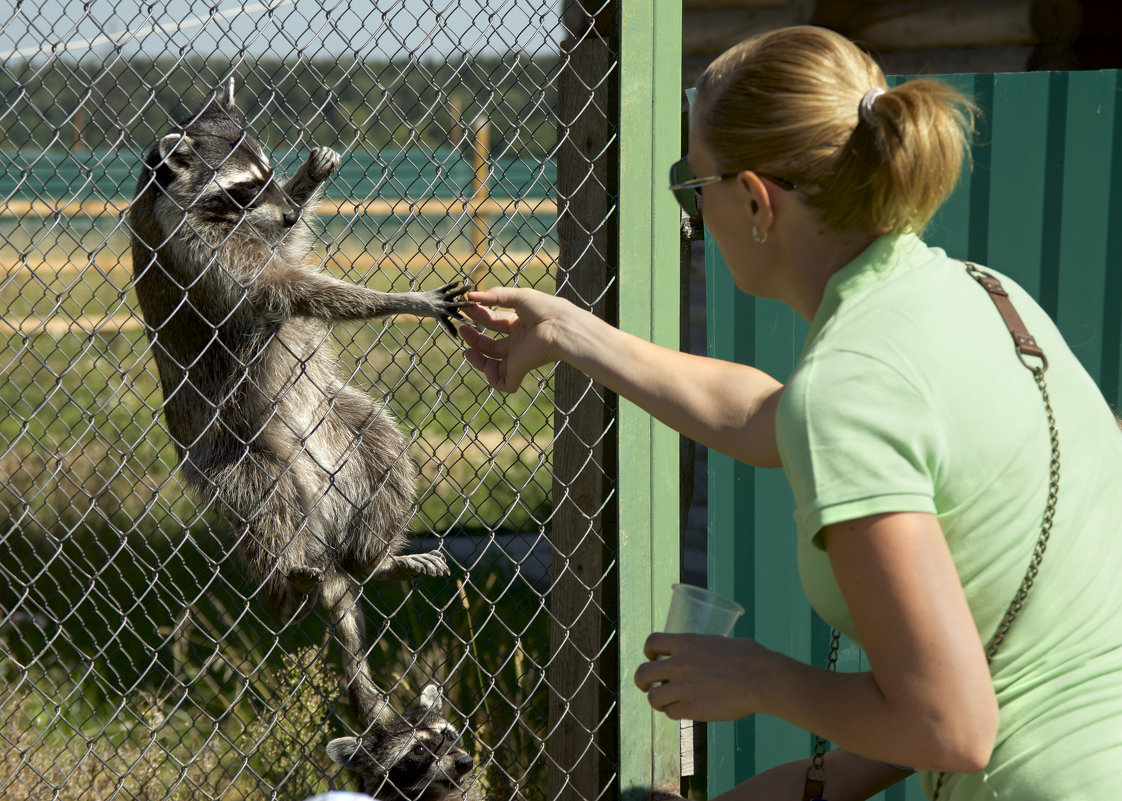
column 464, row 763
column 290, row 218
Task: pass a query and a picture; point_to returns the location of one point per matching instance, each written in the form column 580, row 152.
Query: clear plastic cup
column 696, row 610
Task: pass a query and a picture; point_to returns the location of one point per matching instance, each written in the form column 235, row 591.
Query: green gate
column 1043, row 204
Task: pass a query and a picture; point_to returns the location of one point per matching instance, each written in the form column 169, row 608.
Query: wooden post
column 650, row 95
column 480, row 194
column 583, row 742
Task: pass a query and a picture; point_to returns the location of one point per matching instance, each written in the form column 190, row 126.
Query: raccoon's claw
column 431, row 563
column 304, row 579
column 406, row 566
column 322, row 162
column 450, row 301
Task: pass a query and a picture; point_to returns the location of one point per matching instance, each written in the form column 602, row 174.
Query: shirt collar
column 888, row 254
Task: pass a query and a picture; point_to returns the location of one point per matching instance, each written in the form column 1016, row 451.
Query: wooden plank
column 932, row 61
column 404, row 207
column 583, row 604
column 918, row 25
column 461, row 263
column 649, row 222
column 709, row 33
column 689, row 7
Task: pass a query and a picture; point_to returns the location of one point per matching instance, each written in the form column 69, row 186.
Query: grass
column 134, row 661
column 212, row 701
column 79, row 440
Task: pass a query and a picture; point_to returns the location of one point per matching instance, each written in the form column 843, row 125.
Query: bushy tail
column 340, row 598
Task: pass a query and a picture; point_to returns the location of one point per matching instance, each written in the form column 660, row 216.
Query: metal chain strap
column 1041, row 543
column 816, row 773
column 817, row 763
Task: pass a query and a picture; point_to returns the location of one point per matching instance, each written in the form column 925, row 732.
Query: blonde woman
column 916, row 443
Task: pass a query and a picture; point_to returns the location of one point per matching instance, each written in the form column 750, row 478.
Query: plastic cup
column 696, row 610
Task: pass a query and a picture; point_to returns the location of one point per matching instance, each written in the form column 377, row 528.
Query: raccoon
column 312, row 474
column 410, row 757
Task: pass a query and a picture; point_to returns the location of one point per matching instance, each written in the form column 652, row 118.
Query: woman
column 915, row 441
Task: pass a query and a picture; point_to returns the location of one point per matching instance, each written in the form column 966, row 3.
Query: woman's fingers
column 488, row 346
column 495, row 319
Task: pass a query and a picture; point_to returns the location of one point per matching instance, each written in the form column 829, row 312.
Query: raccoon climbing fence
column 478, row 141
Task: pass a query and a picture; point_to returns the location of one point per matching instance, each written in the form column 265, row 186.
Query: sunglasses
column 687, row 189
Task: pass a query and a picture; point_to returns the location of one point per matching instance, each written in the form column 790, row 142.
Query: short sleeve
column 856, row 438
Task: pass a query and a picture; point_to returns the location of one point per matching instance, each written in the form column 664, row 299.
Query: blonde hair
column 787, row 102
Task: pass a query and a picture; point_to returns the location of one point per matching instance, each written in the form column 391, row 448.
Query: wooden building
column 925, row 36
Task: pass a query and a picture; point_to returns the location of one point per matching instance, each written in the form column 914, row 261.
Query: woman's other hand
column 703, row 676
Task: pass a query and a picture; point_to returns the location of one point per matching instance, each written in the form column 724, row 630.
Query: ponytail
column 808, row 105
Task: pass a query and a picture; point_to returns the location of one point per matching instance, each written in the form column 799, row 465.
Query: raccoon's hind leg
column 340, row 597
column 303, row 185
column 371, row 550
column 275, row 516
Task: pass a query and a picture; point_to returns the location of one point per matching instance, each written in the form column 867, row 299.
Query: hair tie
column 865, row 107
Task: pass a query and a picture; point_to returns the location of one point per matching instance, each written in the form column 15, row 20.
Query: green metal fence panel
column 650, row 92
column 1042, row 202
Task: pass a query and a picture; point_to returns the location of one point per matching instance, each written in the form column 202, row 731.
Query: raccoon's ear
column 177, row 151
column 430, row 699
column 225, row 95
column 345, row 751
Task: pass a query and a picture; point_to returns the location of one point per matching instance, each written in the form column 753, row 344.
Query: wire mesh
column 138, row 661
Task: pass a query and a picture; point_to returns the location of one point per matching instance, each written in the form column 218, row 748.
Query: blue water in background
column 416, row 173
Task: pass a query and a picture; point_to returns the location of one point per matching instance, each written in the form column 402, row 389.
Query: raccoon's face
column 217, row 183
column 413, row 756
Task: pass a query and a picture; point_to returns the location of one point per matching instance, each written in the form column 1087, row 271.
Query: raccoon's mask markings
column 410, row 757
column 214, row 170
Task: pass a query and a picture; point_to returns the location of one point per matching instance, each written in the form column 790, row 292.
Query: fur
column 313, row 475
column 413, row 756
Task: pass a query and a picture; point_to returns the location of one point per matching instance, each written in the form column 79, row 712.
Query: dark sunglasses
column 687, row 189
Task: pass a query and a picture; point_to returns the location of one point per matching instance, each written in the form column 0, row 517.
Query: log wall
column 924, row 36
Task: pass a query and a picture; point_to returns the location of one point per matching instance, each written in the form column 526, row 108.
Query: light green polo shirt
column 909, row 397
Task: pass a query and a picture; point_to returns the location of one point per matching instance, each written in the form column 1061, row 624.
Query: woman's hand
column 531, row 322
column 704, row 677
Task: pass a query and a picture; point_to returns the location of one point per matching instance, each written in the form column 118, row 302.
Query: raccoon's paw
column 406, row 566
column 322, row 162
column 431, row 563
column 304, row 579
column 447, row 301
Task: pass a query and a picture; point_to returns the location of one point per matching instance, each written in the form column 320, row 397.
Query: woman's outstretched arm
column 725, row 406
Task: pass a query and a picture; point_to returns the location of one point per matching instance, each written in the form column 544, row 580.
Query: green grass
column 236, row 711
column 79, row 441
column 135, row 662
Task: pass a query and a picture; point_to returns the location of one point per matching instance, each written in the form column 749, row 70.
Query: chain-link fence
column 139, row 659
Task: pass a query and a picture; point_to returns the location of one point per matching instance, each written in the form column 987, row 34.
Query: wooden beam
column 915, row 25
column 583, row 739
column 707, row 34
column 107, row 262
column 404, row 207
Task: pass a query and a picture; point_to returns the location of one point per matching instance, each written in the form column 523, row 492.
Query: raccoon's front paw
column 322, row 162
column 447, row 301
column 431, row 563
column 304, row 579
column 406, row 566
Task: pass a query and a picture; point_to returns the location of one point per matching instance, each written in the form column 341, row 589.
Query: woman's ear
column 757, row 200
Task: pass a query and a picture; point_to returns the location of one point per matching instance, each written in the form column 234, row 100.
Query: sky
column 430, row 29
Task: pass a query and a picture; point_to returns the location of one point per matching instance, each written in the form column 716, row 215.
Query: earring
column 759, row 240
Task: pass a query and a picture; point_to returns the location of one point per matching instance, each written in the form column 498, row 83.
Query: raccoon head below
column 214, row 182
column 413, row 756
